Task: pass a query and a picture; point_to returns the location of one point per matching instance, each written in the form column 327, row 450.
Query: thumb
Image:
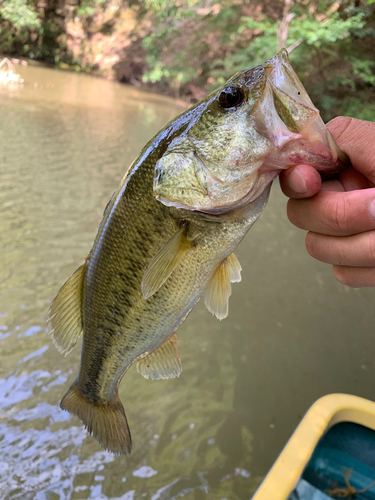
column 357, row 139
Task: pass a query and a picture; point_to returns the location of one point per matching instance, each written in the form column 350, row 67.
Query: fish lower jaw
column 320, row 153
column 263, row 180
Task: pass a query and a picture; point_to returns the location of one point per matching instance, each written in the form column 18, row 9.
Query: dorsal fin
column 64, row 316
column 165, row 262
column 234, row 268
column 163, row 363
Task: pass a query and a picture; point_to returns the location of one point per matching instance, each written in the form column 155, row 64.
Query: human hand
column 340, row 213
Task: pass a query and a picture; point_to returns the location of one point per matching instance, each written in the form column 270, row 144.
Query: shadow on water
column 292, row 335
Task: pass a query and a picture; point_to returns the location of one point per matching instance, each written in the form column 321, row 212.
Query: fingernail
column 372, row 209
column 297, row 182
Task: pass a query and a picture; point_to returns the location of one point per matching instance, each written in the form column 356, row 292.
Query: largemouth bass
column 169, row 232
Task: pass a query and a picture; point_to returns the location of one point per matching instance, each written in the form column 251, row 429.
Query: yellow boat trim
column 324, row 413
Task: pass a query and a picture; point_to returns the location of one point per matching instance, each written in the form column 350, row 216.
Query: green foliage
column 19, row 14
column 363, row 69
column 333, row 44
column 316, row 33
column 87, row 7
column 193, row 46
column 176, row 59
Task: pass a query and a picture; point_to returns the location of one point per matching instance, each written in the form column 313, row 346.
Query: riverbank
column 186, row 50
column 100, row 38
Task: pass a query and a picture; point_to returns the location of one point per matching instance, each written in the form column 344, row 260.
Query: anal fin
column 64, row 315
column 219, row 288
column 163, row 363
column 165, row 262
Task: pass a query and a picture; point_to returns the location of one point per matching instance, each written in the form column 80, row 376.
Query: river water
column 293, row 333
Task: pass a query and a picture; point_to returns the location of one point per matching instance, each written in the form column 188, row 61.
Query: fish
column 169, row 232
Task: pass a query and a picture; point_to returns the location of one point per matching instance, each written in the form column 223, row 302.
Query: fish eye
column 231, row 97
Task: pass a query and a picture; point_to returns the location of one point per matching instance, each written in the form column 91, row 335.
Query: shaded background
column 189, row 47
column 293, row 333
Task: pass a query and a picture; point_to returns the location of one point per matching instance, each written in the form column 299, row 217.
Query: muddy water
column 293, row 334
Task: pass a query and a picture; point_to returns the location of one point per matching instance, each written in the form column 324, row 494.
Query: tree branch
column 282, row 29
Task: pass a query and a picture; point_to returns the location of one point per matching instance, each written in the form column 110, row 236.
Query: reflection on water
column 292, row 335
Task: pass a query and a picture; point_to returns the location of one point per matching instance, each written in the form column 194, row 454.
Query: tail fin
column 106, row 422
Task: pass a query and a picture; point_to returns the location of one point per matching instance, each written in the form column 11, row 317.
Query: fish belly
column 120, row 326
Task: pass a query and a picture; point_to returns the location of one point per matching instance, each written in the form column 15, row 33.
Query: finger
column 300, row 182
column 348, row 180
column 351, row 180
column 334, row 213
column 356, row 139
column 356, row 250
column 355, row 277
column 333, row 185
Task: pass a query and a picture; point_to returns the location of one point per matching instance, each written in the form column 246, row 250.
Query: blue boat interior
column 342, row 466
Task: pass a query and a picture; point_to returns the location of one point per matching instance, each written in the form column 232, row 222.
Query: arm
column 339, row 214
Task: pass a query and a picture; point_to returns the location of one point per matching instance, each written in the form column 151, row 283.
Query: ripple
column 144, row 471
column 18, row 388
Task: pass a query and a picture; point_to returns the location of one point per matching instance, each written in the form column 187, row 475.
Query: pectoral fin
column 163, row 363
column 64, row 316
column 164, row 263
column 219, row 288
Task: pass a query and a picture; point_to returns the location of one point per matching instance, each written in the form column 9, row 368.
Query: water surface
column 293, row 333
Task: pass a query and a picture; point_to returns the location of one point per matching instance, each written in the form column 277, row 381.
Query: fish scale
column 169, row 231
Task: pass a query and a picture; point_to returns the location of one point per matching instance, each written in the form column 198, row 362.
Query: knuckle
column 336, row 214
column 339, row 126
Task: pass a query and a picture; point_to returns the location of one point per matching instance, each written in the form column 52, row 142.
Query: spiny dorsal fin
column 219, row 289
column 163, row 363
column 164, row 263
column 64, row 316
column 234, row 268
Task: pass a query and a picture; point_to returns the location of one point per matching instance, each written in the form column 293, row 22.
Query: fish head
column 261, row 122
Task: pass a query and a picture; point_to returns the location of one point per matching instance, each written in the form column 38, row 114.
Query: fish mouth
column 286, row 114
